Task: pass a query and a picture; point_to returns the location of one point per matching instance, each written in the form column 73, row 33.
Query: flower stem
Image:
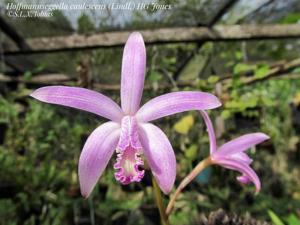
column 158, row 198
column 198, row 169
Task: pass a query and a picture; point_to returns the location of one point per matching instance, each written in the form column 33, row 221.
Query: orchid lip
column 129, row 150
column 244, row 179
column 128, row 166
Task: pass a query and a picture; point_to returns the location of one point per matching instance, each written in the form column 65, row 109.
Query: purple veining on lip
column 129, row 131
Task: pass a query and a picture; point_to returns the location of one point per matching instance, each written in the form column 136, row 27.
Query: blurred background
column 245, row 52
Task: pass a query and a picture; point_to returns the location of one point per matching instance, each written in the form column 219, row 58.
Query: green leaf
column 154, row 77
column 293, row 220
column 296, row 99
column 238, row 55
column 39, row 68
column 275, row 219
column 291, row 18
column 192, row 152
column 213, row 79
column 232, row 104
column 225, row 114
column 184, row 124
column 27, row 76
column 261, row 71
column 85, row 24
column 242, row 68
column 249, row 102
column 296, row 70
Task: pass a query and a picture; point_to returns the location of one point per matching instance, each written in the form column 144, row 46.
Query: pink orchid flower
column 128, row 131
column 231, row 155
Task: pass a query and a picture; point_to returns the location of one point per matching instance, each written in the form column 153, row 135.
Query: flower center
column 127, row 166
column 129, row 151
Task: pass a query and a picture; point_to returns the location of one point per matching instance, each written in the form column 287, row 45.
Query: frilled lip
column 129, row 162
column 128, row 166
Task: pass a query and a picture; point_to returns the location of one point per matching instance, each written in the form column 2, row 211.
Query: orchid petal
column 242, row 143
column 159, row 154
column 211, row 132
column 133, row 73
column 243, row 179
column 241, row 156
column 243, row 168
column 176, row 102
column 80, row 98
column 95, row 155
